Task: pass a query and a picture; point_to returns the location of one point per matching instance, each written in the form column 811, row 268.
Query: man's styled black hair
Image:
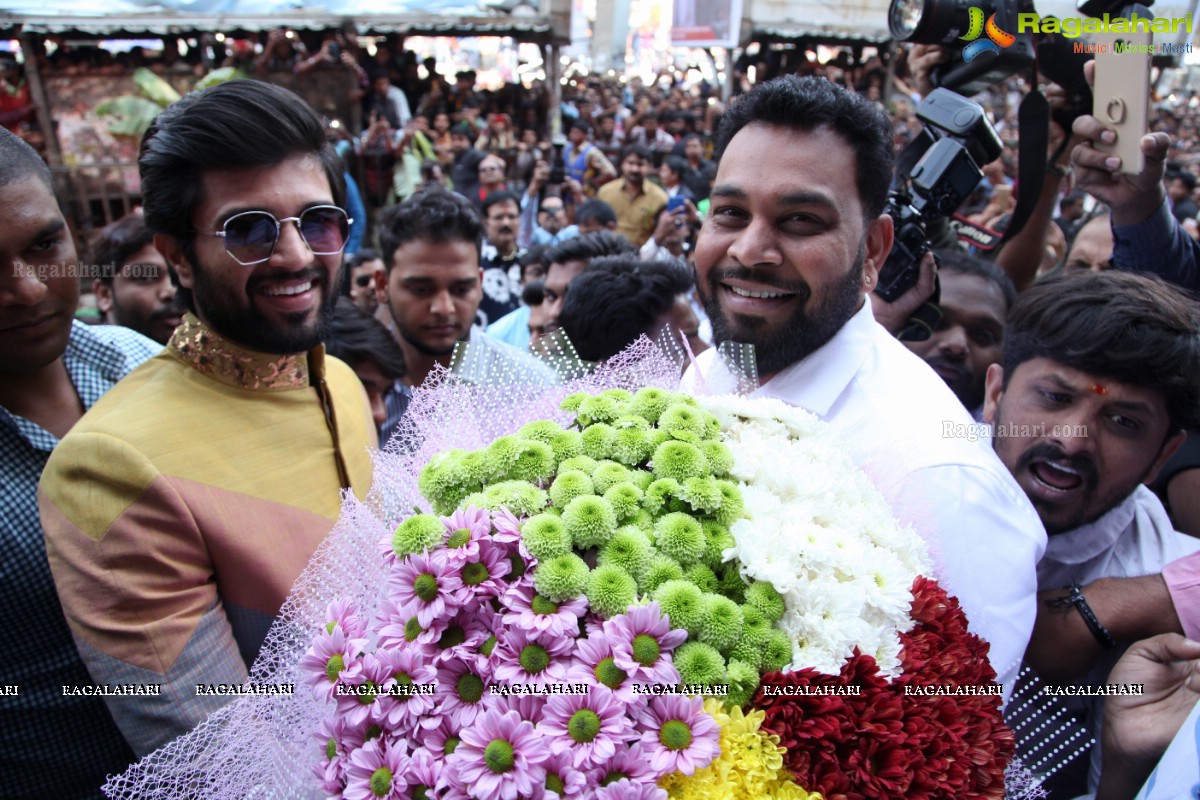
column 581, row 124
column 809, row 103
column 355, row 337
column 597, row 210
column 114, row 244
column 434, row 215
column 502, row 196
column 362, row 257
column 616, row 300
column 957, row 261
column 19, row 161
column 591, row 245
column 1131, row 328
column 639, row 150
column 677, row 164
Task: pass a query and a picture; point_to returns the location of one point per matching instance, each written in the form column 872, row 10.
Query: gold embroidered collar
column 220, row 359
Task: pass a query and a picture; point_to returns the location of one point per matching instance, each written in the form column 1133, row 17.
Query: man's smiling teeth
column 757, row 295
column 289, row 290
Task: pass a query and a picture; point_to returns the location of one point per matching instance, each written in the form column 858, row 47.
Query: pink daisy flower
column 625, row 789
column 347, row 615
column 331, row 770
column 424, row 772
column 427, row 586
column 678, row 736
column 500, row 757
column 594, row 666
column 377, row 772
column 525, row 657
column 642, row 641
column 465, row 529
column 462, row 690
column 629, row 762
column 506, row 529
column 465, row 634
column 333, row 657
column 528, row 610
column 406, row 668
column 482, row 576
column 588, row 726
column 529, row 706
column 563, row 781
column 440, row 740
column 363, row 701
column 403, row 631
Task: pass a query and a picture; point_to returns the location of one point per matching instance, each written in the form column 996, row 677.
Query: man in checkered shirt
column 52, row 369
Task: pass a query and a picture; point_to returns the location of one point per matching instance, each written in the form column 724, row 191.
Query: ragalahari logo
column 996, row 38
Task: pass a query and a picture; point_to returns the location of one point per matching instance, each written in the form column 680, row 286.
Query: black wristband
column 1075, row 598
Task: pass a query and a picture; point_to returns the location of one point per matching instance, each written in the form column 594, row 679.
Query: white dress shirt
column 1133, row 539
column 908, row 431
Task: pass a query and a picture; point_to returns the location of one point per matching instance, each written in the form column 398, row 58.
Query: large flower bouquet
column 667, row 597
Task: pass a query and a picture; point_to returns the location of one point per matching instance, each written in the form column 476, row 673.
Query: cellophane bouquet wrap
column 609, row 590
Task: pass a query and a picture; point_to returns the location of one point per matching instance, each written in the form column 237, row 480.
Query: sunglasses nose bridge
column 290, row 237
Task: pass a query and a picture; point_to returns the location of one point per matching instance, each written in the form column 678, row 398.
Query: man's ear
column 104, row 295
column 1168, row 449
column 880, row 233
column 380, row 277
column 172, row 250
column 992, row 390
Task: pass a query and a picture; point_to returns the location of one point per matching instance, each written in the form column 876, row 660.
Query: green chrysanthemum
column 679, row 461
column 631, row 446
column 702, row 494
column 562, row 578
column 743, row 682
column 571, row 402
column 683, row 602
column 543, row 430
column 584, row 464
column 778, row 652
column 702, row 576
column 566, row 444
column 608, row 474
column 499, row 456
column 417, row 533
column 641, row 478
column 568, row 485
column 650, row 402
column 631, row 421
column 717, row 539
column 721, row 623
column 610, row 590
column 598, row 440
column 762, row 595
column 659, row 570
column 628, row 549
column 590, row 521
column 680, row 537
column 687, row 423
column 601, row 408
column 755, row 626
column 720, row 458
column 699, row 664
column 732, row 507
column 534, row 462
column 545, row 537
column 730, row 583
column 448, row 478
column 659, row 494
column 626, row 500
column 747, row 653
column 521, row 498
column 645, row 520
column 475, row 500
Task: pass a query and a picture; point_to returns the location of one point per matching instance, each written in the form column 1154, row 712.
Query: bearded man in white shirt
column 793, row 243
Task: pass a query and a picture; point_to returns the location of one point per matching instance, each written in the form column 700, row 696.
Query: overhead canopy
column 131, row 18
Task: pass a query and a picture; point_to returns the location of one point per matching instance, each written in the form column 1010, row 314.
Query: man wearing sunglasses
column 179, row 512
column 363, row 267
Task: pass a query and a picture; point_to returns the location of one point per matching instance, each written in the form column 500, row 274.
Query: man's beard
column 804, row 333
column 249, row 328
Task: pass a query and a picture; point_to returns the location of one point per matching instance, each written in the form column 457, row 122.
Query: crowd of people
column 1036, row 433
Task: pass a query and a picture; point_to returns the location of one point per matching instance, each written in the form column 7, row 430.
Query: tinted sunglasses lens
column 250, row 237
column 325, row 229
column 362, row 280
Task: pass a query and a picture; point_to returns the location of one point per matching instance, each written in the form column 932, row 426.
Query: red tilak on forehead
column 1098, row 388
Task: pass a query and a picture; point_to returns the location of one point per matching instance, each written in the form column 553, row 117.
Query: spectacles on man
column 250, row 237
column 363, row 280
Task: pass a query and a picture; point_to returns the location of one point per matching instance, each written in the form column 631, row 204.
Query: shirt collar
column 1088, row 541
column 206, row 351
column 817, row 381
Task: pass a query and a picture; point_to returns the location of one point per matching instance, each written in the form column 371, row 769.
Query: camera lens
column 932, row 21
column 904, row 18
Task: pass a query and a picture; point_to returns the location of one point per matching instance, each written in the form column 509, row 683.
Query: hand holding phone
column 1121, row 94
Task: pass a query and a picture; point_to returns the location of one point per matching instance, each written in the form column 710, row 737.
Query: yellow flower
column 750, row 764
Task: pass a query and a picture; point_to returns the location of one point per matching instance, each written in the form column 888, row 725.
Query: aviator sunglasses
column 250, row 237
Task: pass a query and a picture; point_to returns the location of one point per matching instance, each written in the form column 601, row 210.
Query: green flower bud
column 561, row 578
column 762, row 595
column 659, row 570
column 702, row 576
column 680, row 537
column 608, row 474
column 521, row 498
column 534, row 462
column 631, row 421
column 659, row 494
column 747, row 653
column 699, row 663
column 590, row 521
column 584, row 464
column 499, row 456
column 755, row 626
column 625, row 498
column 644, row 520
column 602, row 408
column 730, row 583
column 720, row 457
column 567, row 444
column 631, row 446
column 679, row 460
column 628, row 549
column 702, row 494
column 732, row 507
column 641, row 478
column 778, row 652
column 717, row 539
column 611, row 590
column 416, row 534
column 688, row 423
column 545, row 537
column 650, row 402
column 543, row 430
column 683, row 602
column 720, row 623
column 571, row 402
column 743, row 680
column 598, row 440
column 568, row 485
column 448, row 478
